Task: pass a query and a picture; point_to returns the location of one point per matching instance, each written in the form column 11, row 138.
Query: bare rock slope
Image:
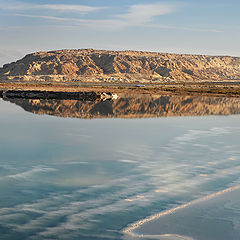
column 121, row 66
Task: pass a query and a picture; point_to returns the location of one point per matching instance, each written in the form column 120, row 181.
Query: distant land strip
column 229, row 89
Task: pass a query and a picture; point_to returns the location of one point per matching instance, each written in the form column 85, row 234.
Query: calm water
column 65, row 178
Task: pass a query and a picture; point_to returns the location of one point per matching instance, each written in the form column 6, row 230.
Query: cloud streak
column 83, row 9
column 144, row 13
column 138, row 15
column 134, row 14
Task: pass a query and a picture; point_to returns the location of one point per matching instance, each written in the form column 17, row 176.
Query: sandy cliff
column 122, row 66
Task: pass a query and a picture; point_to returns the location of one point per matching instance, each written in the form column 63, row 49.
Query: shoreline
column 129, row 230
column 231, row 89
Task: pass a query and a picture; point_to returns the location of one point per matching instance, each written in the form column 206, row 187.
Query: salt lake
column 92, row 177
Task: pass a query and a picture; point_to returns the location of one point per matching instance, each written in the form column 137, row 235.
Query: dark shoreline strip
column 92, row 96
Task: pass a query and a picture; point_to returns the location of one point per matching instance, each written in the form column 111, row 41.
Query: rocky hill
column 133, row 106
column 121, row 66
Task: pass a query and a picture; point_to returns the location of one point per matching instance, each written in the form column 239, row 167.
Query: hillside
column 133, row 106
column 121, row 66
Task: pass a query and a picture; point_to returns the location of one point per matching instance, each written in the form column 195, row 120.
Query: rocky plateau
column 88, row 65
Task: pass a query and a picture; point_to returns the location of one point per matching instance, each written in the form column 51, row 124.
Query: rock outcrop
column 133, row 106
column 120, row 66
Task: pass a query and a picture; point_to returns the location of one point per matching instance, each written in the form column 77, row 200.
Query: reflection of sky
column 71, row 178
column 218, row 214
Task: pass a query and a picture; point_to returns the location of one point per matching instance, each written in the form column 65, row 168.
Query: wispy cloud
column 71, row 8
column 133, row 15
column 144, row 13
column 138, row 15
column 107, row 24
column 100, row 24
column 184, row 28
column 83, row 9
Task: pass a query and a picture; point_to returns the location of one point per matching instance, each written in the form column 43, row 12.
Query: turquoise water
column 64, row 178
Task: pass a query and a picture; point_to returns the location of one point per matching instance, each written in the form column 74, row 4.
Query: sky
column 176, row 26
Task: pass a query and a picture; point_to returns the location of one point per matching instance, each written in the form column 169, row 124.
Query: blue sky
column 199, row 27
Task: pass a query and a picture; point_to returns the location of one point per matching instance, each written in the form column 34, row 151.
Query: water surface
column 71, row 178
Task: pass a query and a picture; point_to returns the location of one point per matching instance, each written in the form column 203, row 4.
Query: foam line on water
column 129, row 230
column 164, row 237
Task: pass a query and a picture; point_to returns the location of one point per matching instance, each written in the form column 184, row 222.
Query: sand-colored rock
column 120, row 66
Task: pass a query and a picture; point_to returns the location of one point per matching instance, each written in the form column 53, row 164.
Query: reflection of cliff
column 134, row 106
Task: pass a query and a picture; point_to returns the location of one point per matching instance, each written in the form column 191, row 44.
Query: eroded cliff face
column 133, row 106
column 123, row 66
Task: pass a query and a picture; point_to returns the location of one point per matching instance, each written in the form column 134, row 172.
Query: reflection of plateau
column 133, row 106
